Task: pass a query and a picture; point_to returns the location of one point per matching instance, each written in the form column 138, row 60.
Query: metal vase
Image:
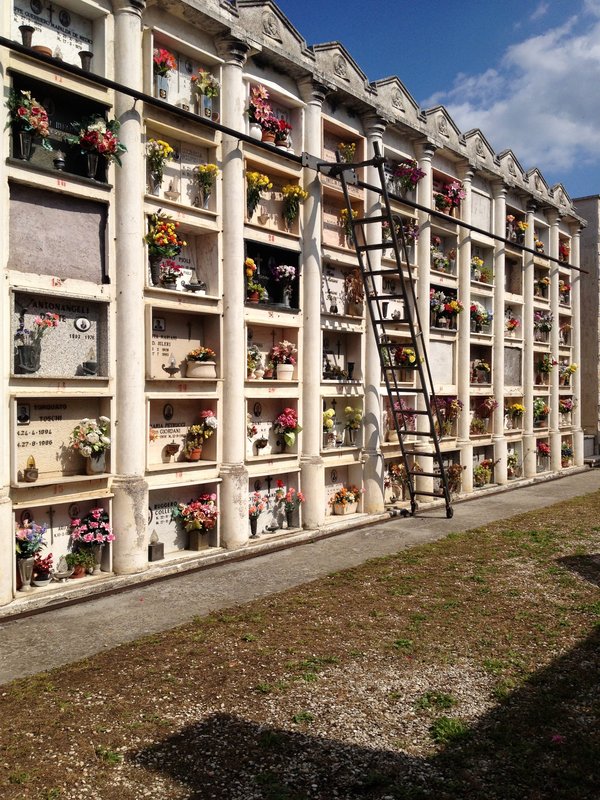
column 25, row 567
column 92, row 165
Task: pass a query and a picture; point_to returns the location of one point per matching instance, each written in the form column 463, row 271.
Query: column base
column 130, row 522
column 234, row 506
column 312, row 472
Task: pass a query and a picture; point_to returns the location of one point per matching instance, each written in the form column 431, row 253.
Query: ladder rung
column 430, row 494
column 364, row 247
column 367, row 220
column 390, row 272
column 425, row 474
column 427, row 453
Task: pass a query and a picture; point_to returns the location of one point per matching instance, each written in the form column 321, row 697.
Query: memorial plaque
column 43, row 428
column 58, row 519
column 189, row 158
column 76, row 346
column 512, row 366
column 333, row 232
column 162, row 503
column 333, row 291
column 273, row 516
column 441, row 362
column 169, row 421
column 262, row 414
column 61, row 29
column 173, row 336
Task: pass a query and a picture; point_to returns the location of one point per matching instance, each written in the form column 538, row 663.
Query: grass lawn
column 467, row 668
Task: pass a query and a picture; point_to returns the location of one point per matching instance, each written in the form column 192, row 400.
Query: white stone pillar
column 498, row 437
column 311, row 462
column 463, row 349
column 234, row 486
column 529, row 451
column 130, row 503
column 374, row 467
column 7, row 524
column 553, row 430
column 577, row 430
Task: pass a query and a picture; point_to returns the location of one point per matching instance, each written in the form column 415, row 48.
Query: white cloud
column 542, row 101
column 539, row 12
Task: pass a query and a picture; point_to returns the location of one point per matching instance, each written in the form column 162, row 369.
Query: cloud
column 542, row 100
column 539, row 12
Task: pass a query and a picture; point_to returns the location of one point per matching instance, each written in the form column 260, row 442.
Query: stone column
column 553, row 430
column 498, row 437
column 529, row 453
column 576, row 348
column 234, row 486
column 374, row 467
column 311, row 463
column 463, row 349
column 130, row 502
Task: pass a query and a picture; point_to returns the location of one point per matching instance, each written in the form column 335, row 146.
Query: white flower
column 85, row 451
column 103, row 419
column 84, row 421
column 105, row 440
column 211, row 422
column 92, row 437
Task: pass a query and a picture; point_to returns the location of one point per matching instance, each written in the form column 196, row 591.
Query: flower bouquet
column 90, row 438
column 540, row 410
column 163, row 242
column 345, row 221
column 286, row 425
column 564, row 251
column 30, row 120
column 29, row 341
column 198, row 515
column 98, row 137
column 282, row 132
column 201, row 354
column 29, row 539
column 405, row 357
column 163, row 61
column 256, row 184
column 157, row 155
column 206, row 176
column 283, row 352
column 406, row 175
column 347, row 151
column 205, row 84
column 42, row 569
column 93, row 529
column 170, row 273
column 482, row 472
column 258, row 107
column 542, row 321
column 292, row 500
column 293, row 196
column 198, row 434
column 345, row 500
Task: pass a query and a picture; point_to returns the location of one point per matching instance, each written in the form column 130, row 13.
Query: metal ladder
column 346, row 174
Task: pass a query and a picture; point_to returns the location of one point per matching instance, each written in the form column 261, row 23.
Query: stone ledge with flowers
column 29, row 123
column 345, row 500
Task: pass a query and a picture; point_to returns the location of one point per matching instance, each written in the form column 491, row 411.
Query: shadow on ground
column 587, row 567
column 540, row 743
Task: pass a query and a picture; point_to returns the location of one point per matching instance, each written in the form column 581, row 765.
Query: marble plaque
column 333, row 232
column 61, row 29
column 333, row 291
column 440, row 361
column 512, row 366
column 162, row 502
column 43, row 429
column 77, row 346
column 173, row 336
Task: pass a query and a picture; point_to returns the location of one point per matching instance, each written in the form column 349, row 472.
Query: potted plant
column 163, row 242
column 163, row 63
column 157, row 155
column 345, row 500
column 29, row 120
column 482, row 472
column 256, row 506
column 540, row 412
column 29, row 540
column 206, row 88
column 450, row 197
column 282, row 134
column 198, row 434
column 98, row 137
column 198, row 517
column 91, row 533
column 170, row 273
column 353, row 421
column 90, row 439
column 256, row 184
column 286, row 425
column 81, row 563
column 283, row 355
column 29, row 341
column 201, row 363
column 293, row 197
column 292, row 500
column 42, row 570
column 258, row 109
column 206, row 176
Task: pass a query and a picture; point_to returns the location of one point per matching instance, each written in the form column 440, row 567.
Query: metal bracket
column 332, row 169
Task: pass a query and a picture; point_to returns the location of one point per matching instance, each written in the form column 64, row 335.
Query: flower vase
column 289, row 515
column 342, row 509
column 155, row 261
column 169, row 283
column 287, row 295
column 28, row 358
column 255, row 131
column 25, row 145
column 267, row 137
column 27, row 32
column 198, row 539
column 205, row 106
column 25, row 567
column 351, row 437
column 156, row 180
column 205, row 198
column 201, row 369
column 253, row 527
column 97, row 551
column 285, row 372
column 92, row 165
column 161, row 87
column 96, row 463
column 193, row 454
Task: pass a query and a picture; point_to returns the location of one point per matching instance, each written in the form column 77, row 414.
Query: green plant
column 81, row 558
column 302, row 716
column 109, row 756
column 437, row 700
column 446, row 729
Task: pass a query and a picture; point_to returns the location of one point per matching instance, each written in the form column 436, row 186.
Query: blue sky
column 527, row 74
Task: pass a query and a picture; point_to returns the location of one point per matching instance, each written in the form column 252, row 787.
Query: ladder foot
column 449, row 512
column 404, row 512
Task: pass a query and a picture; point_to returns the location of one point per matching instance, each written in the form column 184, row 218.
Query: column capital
column 374, row 125
column 233, row 50
column 531, row 207
column 313, row 90
column 425, row 150
column 499, row 189
column 134, row 6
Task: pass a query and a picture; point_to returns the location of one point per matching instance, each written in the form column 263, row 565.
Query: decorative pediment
column 263, row 19
column 336, row 62
column 478, row 146
column 397, row 100
column 537, row 182
column 511, row 166
column 442, row 128
column 561, row 196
